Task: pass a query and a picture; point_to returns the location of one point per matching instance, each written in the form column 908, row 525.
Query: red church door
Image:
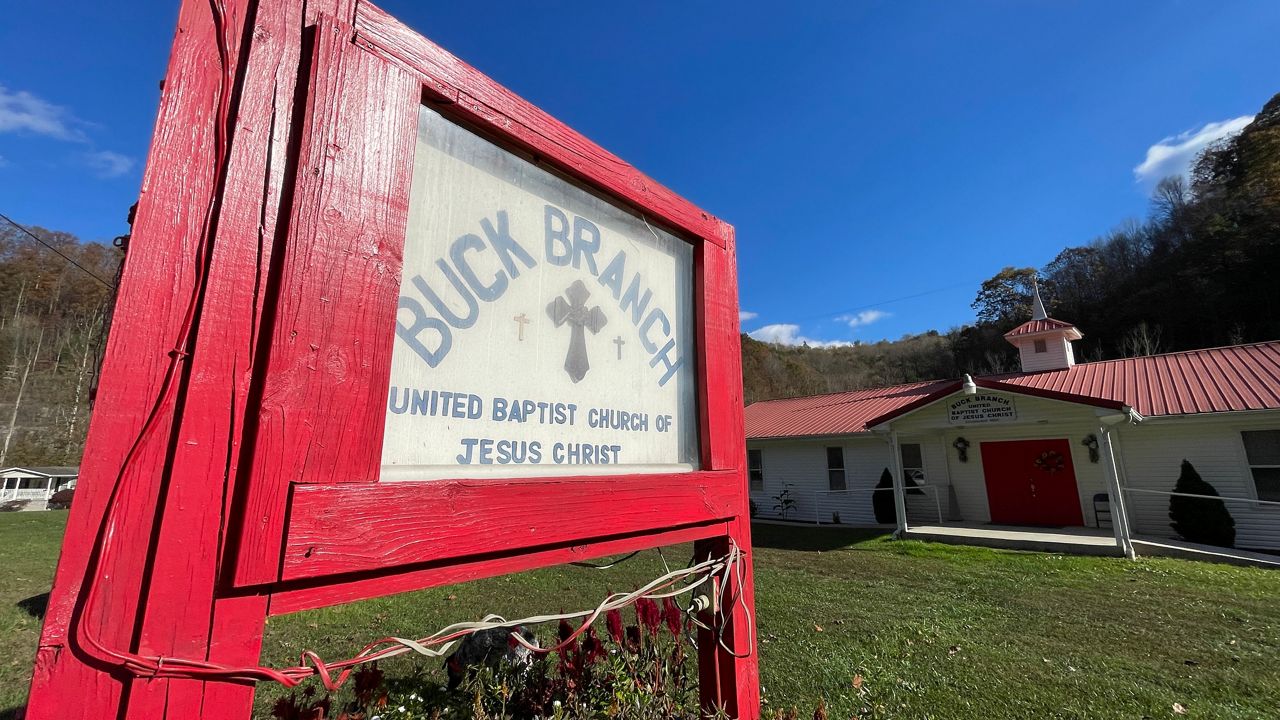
column 1031, row 482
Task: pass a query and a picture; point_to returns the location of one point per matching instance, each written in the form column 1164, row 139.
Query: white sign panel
column 540, row 329
column 982, row 408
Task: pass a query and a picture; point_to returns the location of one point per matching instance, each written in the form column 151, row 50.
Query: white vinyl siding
column 1057, row 354
column 804, row 465
column 1152, row 455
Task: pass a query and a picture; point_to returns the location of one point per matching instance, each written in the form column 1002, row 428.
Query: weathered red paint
column 336, row 529
column 280, row 164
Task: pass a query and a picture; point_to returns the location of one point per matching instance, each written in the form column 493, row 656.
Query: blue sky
column 865, row 151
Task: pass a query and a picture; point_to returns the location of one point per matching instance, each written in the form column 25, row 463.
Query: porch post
column 899, row 498
column 1119, row 504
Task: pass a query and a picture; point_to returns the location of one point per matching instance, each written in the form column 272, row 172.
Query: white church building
column 1059, row 445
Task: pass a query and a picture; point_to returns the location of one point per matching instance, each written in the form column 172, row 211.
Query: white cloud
column 20, row 111
column 786, row 334
column 745, row 315
column 24, row 113
column 866, row 317
column 107, row 164
column 1175, row 155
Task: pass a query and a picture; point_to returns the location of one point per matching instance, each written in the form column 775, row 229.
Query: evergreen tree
column 1200, row 520
column 882, row 500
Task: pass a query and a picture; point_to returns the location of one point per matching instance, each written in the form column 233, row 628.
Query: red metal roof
column 1035, row 327
column 835, row 414
column 1228, row 379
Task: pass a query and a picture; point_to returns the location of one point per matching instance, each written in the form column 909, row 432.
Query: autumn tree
column 52, row 324
column 1005, row 299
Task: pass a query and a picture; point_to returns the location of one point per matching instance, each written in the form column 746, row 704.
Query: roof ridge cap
column 1176, row 352
column 917, row 383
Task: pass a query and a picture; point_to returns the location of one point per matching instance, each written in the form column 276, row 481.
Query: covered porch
column 1021, row 469
column 35, row 485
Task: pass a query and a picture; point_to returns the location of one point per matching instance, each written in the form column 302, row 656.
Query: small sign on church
column 540, row 329
column 981, row 408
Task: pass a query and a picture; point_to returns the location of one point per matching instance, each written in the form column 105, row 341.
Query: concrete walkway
column 1085, row 541
column 1076, row 541
column 1067, row 541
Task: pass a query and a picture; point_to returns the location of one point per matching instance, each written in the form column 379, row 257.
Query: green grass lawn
column 29, row 543
column 934, row 631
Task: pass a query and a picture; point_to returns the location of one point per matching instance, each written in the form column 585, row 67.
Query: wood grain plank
column 478, row 99
column 157, row 282
column 181, row 617
column 298, row 597
column 235, row 639
column 344, row 529
column 719, row 343
column 323, row 402
column 727, row 681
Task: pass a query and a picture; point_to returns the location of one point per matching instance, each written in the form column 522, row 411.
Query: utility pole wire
column 838, row 313
column 55, row 250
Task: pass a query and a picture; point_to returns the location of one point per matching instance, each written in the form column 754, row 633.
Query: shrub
column 882, row 500
column 640, row 670
column 13, row 505
column 60, row 500
column 1200, row 520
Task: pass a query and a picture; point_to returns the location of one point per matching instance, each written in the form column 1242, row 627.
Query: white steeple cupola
column 1044, row 343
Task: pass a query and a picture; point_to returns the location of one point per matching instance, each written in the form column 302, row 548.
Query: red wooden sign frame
column 235, row 448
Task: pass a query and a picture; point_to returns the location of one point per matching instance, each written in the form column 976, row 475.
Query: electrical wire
column 55, row 250
column 606, row 566
column 837, row 313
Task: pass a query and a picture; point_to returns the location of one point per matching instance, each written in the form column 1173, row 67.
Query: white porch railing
column 868, row 493
column 1224, row 498
column 24, row 494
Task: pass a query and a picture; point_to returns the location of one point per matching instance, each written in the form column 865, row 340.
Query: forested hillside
column 52, row 321
column 1200, row 271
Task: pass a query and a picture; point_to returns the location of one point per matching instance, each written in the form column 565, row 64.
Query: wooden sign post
column 383, row 326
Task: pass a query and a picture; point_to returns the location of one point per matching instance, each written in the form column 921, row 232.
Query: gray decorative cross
column 578, row 316
column 619, row 342
column 521, row 321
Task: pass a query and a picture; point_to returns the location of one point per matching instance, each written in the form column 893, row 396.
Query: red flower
column 318, row 711
column 369, row 684
column 649, row 616
column 613, row 622
column 286, row 708
column 565, row 630
column 672, row 616
column 633, row 638
column 570, row 662
column 592, row 648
